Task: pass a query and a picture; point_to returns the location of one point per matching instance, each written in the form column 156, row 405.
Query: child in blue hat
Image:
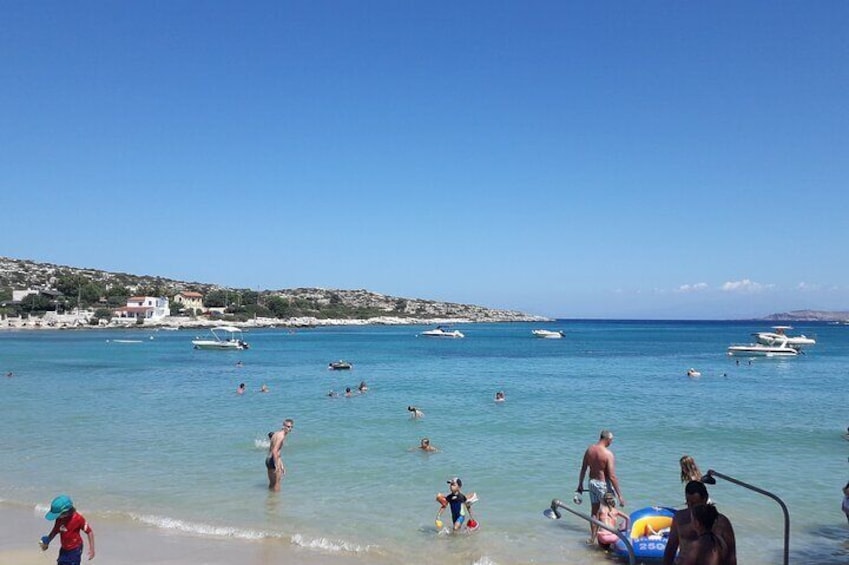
column 68, row 524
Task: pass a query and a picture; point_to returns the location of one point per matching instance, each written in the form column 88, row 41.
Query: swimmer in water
column 241, row 389
column 415, row 413
column 499, row 396
column 426, row 446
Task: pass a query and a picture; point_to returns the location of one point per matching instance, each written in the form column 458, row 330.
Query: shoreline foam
column 125, row 541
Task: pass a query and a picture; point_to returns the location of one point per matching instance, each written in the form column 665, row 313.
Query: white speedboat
column 548, row 334
column 780, row 336
column 233, row 341
column 759, row 349
column 442, row 331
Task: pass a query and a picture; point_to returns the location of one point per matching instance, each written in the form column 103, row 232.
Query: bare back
column 277, row 441
column 599, row 460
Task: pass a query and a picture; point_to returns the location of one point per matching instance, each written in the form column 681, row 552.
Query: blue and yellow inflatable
column 649, row 533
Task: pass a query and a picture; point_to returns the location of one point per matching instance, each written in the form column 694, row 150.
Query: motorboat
column 232, row 341
column 648, row 533
column 548, row 334
column 780, row 335
column 759, row 349
column 339, row 366
column 442, row 331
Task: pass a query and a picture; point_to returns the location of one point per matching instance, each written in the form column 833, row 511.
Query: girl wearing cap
column 68, row 524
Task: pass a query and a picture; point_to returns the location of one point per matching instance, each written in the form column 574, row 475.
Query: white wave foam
column 325, row 544
column 201, row 529
column 262, row 443
column 484, row 560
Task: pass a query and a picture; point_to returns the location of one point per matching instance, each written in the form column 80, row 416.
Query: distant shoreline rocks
column 178, row 323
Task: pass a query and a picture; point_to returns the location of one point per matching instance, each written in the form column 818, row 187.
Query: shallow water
column 155, row 430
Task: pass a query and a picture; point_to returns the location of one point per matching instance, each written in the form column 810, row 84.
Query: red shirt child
column 69, row 523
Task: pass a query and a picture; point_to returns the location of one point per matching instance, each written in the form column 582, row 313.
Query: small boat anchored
column 548, row 334
column 234, row 340
column 780, row 336
column 758, row 349
column 339, row 366
column 442, row 331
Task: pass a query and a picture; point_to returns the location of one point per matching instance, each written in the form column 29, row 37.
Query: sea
column 136, row 425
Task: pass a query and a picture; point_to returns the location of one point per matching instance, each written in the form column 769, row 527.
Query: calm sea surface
column 153, row 431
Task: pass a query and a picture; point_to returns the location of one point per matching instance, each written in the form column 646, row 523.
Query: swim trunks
column 269, row 463
column 70, row 556
column 597, row 490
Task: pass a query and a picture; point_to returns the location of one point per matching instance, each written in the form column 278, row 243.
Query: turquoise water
column 153, row 431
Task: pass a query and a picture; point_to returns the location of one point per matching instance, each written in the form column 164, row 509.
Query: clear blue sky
column 572, row 159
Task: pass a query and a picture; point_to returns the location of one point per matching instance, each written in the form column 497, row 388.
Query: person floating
column 415, row 413
column 68, row 524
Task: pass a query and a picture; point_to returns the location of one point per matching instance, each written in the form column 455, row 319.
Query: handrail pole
column 780, row 502
column 555, row 504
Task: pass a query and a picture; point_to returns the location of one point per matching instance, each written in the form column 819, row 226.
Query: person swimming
column 425, row 445
column 415, row 413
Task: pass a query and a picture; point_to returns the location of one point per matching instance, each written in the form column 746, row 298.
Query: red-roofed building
column 189, row 300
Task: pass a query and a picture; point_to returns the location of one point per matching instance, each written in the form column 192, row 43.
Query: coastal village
column 45, row 296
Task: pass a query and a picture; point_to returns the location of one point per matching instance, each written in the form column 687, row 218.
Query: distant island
column 34, row 294
column 810, row 316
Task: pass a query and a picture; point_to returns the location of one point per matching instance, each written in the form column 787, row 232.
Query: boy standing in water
column 68, row 524
column 458, row 503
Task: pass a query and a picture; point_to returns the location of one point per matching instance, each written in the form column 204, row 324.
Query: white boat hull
column 757, row 349
column 547, row 334
column 443, row 333
column 211, row 344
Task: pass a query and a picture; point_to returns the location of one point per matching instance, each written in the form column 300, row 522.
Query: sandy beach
column 122, row 542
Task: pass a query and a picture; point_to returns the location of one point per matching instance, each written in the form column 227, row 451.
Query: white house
column 147, row 308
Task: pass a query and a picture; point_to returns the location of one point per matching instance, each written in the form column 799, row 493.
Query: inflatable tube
column 649, row 533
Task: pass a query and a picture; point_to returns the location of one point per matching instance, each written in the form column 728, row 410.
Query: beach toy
column 577, row 499
column 473, row 525
column 439, row 524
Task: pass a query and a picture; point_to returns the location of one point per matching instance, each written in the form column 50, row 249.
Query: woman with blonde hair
column 689, row 470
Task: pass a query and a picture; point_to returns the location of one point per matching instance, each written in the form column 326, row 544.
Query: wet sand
column 123, row 542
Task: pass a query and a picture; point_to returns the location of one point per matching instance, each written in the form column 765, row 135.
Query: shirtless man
column 273, row 463
column 601, row 463
column 683, row 533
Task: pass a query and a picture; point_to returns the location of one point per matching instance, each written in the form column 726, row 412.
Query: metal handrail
column 712, row 473
column 555, row 504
